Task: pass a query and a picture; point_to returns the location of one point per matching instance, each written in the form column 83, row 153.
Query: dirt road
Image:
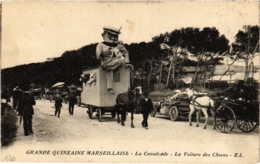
column 79, row 133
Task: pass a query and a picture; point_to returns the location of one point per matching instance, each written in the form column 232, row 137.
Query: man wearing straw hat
column 112, row 54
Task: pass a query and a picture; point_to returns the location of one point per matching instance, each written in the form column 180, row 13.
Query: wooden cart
column 95, row 95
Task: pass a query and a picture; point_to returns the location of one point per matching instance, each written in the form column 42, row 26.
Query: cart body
column 95, row 94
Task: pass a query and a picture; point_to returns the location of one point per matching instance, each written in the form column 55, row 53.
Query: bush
column 8, row 126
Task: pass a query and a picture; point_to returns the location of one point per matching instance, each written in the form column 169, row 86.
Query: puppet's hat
column 112, row 30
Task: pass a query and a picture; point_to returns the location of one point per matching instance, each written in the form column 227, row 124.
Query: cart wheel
column 225, row 119
column 153, row 113
column 113, row 114
column 174, row 113
column 246, row 124
column 90, row 112
column 99, row 115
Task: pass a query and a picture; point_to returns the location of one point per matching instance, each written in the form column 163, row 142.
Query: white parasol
column 58, row 85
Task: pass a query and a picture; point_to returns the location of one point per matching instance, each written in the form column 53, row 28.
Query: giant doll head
column 110, row 34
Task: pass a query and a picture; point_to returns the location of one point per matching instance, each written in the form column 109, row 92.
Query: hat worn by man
column 72, row 86
column 112, row 30
column 146, row 94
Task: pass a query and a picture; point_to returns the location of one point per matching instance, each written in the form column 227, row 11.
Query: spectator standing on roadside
column 146, row 108
column 72, row 100
column 58, row 104
column 16, row 94
column 25, row 109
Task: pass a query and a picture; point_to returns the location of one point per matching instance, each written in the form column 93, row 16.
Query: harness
column 193, row 101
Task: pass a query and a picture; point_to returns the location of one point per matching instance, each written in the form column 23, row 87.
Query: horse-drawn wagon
column 241, row 113
column 95, row 94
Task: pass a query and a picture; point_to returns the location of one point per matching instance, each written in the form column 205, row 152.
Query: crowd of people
column 23, row 101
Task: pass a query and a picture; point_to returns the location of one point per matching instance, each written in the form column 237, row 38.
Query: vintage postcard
column 130, row 82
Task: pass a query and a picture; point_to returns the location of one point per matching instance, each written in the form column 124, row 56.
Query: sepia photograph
column 130, row 81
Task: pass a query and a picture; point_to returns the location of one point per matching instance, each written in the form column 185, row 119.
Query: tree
column 157, row 40
column 208, row 46
column 150, row 55
column 176, row 55
column 230, row 58
column 247, row 44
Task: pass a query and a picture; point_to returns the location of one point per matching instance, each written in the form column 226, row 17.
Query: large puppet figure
column 112, row 54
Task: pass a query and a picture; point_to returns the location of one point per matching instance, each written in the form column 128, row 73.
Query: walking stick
column 21, row 118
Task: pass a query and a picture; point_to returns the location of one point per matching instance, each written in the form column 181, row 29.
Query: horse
column 127, row 102
column 199, row 103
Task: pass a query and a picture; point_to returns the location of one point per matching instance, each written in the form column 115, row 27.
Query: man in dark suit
column 25, row 109
column 146, row 108
column 16, row 94
column 58, row 104
column 72, row 100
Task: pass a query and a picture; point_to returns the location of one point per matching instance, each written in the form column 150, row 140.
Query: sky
column 35, row 31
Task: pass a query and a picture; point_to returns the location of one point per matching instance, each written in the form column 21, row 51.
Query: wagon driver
column 112, row 54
